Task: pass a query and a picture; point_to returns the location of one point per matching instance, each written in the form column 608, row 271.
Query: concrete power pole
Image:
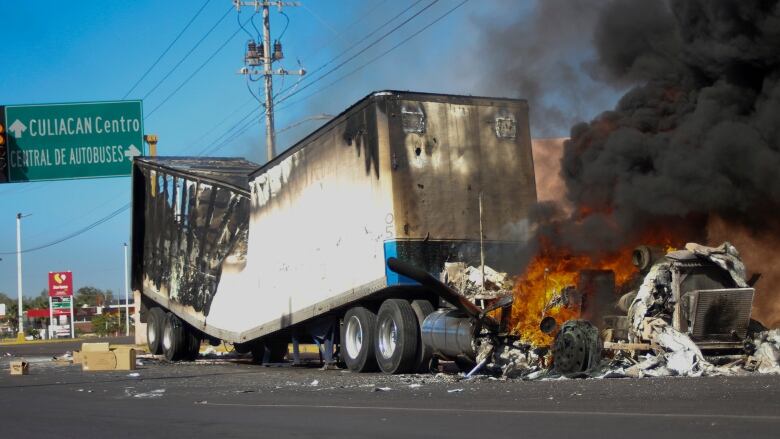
column 266, row 54
column 20, row 312
column 270, row 135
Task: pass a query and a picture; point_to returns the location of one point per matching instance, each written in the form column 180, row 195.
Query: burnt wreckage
column 342, row 238
column 689, row 314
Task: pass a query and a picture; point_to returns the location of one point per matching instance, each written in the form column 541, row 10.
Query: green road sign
column 67, row 141
column 60, row 305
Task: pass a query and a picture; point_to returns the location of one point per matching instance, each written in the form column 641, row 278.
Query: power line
column 219, row 49
column 236, row 131
column 196, row 141
column 361, row 17
column 74, row 234
column 184, row 58
column 166, row 50
column 372, row 44
column 220, row 143
column 228, row 136
column 364, row 65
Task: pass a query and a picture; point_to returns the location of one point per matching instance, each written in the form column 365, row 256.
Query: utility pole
column 20, row 311
column 263, row 54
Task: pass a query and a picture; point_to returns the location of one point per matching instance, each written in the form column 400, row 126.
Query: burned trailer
column 397, row 175
column 190, row 221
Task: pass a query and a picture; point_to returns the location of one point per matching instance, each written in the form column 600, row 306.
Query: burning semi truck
column 346, row 240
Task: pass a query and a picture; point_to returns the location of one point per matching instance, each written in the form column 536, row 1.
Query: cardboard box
column 19, row 368
column 76, row 357
column 119, row 358
column 92, row 361
column 94, row 347
column 125, row 358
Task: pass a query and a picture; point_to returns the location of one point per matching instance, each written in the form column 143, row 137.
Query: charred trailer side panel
column 398, row 174
column 190, row 221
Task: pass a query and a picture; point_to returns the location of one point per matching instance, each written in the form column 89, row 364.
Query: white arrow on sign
column 18, row 128
column 132, row 151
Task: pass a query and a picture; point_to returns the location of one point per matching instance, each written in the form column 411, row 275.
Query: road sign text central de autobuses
column 63, row 141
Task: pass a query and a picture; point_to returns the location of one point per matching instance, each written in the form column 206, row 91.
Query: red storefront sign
column 43, row 313
column 60, row 284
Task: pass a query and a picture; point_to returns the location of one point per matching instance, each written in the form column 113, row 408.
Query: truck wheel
column 576, row 348
column 424, row 355
column 395, row 342
column 277, row 350
column 269, row 351
column 155, row 322
column 174, row 344
column 192, row 340
column 357, row 339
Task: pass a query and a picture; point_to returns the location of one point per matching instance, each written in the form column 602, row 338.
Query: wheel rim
column 167, row 340
column 151, row 333
column 388, row 338
column 354, row 335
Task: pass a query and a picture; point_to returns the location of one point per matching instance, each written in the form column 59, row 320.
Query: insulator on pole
column 278, row 51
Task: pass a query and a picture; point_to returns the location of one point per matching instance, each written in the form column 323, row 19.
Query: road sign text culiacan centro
column 66, row 141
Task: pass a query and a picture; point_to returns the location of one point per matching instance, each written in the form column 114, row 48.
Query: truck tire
column 155, row 322
column 269, row 351
column 277, row 350
column 258, row 352
column 395, row 341
column 357, row 339
column 174, row 343
column 192, row 340
column 577, row 348
column 424, row 355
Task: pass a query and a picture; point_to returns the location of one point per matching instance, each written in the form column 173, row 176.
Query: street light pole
column 19, row 312
column 127, row 299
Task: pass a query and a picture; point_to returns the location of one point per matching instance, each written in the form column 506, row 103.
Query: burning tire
column 155, row 322
column 357, row 339
column 396, row 337
column 422, row 308
column 577, row 347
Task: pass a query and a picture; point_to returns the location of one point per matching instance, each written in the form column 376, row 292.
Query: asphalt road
column 218, row 398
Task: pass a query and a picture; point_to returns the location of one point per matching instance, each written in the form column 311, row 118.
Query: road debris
column 665, row 332
column 157, row 393
column 467, row 280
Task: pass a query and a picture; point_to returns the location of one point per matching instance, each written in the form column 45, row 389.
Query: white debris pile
column 766, row 358
column 679, row 355
column 519, row 360
column 655, row 297
column 467, row 280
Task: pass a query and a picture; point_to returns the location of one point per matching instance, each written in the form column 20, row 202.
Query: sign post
column 69, row 141
column 51, row 318
column 72, row 320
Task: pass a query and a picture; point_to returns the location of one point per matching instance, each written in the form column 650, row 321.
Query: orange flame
column 552, row 270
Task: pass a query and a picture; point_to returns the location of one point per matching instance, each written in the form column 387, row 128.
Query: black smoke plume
column 699, row 133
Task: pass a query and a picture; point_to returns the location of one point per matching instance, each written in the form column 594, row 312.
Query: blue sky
column 56, row 51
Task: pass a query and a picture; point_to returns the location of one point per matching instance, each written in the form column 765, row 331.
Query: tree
column 105, row 324
column 42, row 301
column 91, row 296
